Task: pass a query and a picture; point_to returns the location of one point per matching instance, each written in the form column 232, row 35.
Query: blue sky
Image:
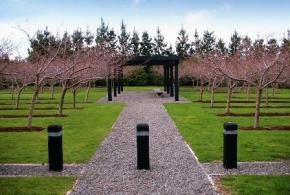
column 256, row 18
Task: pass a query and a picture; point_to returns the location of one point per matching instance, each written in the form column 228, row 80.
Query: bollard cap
column 142, row 127
column 54, row 128
column 230, row 126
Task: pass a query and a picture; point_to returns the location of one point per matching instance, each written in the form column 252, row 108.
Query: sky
column 255, row 18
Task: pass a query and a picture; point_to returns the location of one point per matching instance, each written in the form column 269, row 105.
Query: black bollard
column 230, row 145
column 55, row 157
column 143, row 146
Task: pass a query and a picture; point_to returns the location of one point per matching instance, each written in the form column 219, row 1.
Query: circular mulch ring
column 20, row 129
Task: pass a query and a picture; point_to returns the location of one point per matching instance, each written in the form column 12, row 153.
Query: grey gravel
column 9, row 170
column 250, row 168
column 173, row 167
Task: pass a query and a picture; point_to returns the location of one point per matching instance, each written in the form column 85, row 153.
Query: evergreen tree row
column 133, row 43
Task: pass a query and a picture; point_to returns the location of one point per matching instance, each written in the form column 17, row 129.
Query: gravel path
column 173, row 167
column 13, row 170
column 250, row 168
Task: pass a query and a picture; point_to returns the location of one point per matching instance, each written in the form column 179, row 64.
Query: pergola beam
column 170, row 70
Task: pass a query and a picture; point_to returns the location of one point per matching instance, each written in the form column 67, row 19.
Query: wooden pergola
column 170, row 67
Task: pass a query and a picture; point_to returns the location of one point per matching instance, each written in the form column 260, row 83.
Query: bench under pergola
column 170, row 67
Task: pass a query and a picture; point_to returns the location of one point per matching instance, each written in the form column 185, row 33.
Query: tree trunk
column 60, row 108
column 202, row 88
column 74, row 98
column 248, row 91
column 18, row 97
column 273, row 90
column 257, row 112
column 267, row 97
column 41, row 89
column 12, row 91
column 228, row 109
column 52, row 91
column 88, row 91
column 35, row 94
column 212, row 97
column 197, row 84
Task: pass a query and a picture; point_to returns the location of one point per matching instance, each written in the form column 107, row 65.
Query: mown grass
column 203, row 130
column 83, row 129
column 35, row 185
column 274, row 185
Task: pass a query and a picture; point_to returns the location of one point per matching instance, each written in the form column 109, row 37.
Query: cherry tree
column 40, row 64
column 260, row 68
column 211, row 72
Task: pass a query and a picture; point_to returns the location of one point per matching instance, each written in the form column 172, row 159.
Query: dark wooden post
column 176, row 83
column 171, row 82
column 122, row 81
column 164, row 77
column 167, row 79
column 115, row 86
column 109, row 87
column 118, row 83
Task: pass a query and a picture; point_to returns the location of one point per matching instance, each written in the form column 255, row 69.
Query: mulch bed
column 48, row 108
column 246, row 107
column 36, row 115
column 57, row 102
column 244, row 101
column 20, row 129
column 280, row 98
column 253, row 114
column 271, row 128
column 4, row 99
column 226, row 92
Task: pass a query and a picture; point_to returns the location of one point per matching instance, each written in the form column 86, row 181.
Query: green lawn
column 203, row 130
column 83, row 129
column 274, row 185
column 36, row 185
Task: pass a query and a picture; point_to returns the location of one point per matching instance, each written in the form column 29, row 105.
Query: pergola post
column 122, row 81
column 176, row 83
column 109, row 87
column 115, row 86
column 171, row 82
column 164, row 77
column 167, row 80
column 118, row 83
